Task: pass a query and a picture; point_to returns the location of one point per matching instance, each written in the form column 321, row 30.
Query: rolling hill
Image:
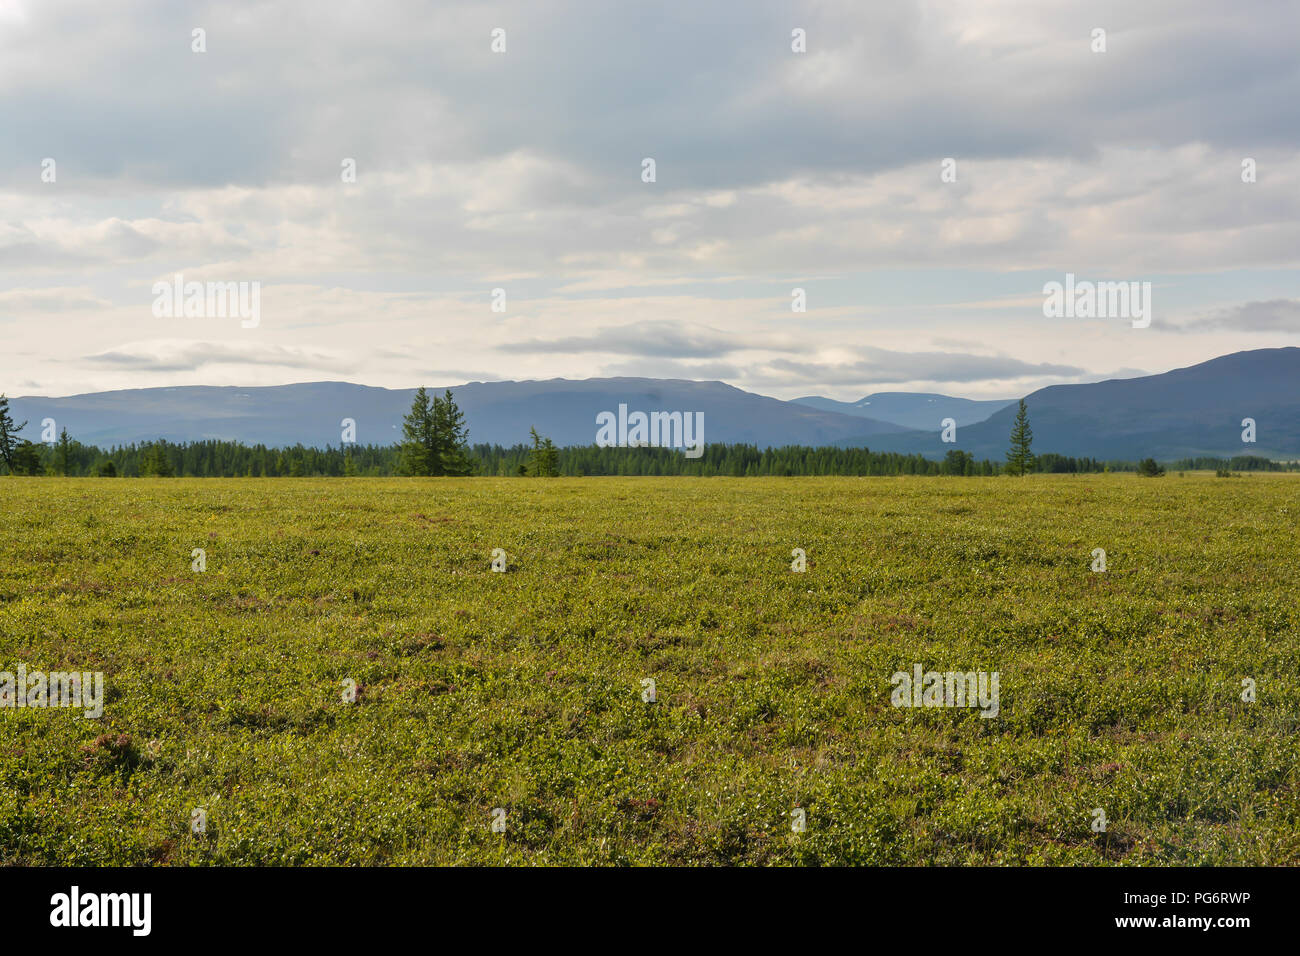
column 496, row 412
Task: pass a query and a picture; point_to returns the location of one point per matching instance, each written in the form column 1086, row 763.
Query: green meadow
column 1120, row 691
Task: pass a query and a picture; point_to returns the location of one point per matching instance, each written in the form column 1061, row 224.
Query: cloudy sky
column 522, row 170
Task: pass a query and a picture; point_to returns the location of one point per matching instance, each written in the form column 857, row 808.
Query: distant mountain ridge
column 1182, row 413
column 496, row 412
column 918, row 410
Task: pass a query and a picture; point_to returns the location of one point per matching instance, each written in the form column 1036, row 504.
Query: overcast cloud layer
column 521, row 170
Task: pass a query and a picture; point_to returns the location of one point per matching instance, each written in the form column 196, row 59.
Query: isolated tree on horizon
column 8, row 434
column 1020, row 460
column 417, row 436
column 435, row 438
column 453, row 437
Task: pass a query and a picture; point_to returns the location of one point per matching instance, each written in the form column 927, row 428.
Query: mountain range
column 917, row 410
column 1185, row 412
column 496, row 412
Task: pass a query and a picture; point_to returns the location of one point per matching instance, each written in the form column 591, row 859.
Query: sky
column 523, row 170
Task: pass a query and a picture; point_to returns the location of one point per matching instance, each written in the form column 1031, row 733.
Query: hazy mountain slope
column 919, row 410
column 497, row 412
column 1189, row 411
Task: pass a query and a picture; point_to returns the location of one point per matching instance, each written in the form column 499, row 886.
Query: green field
column 476, row 690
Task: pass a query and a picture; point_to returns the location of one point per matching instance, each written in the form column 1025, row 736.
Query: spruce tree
column 451, row 437
column 1020, row 460
column 8, row 434
column 64, row 455
column 419, row 451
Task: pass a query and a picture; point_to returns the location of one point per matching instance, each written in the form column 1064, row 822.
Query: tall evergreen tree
column 435, row 437
column 63, row 457
column 8, row 434
column 1020, row 460
column 451, row 437
column 419, row 449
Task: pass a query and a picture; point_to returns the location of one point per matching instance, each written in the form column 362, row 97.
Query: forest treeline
column 227, row 459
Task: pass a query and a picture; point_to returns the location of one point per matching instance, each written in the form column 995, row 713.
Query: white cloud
column 523, row 171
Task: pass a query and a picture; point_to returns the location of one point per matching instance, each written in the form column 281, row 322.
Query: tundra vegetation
column 520, row 697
